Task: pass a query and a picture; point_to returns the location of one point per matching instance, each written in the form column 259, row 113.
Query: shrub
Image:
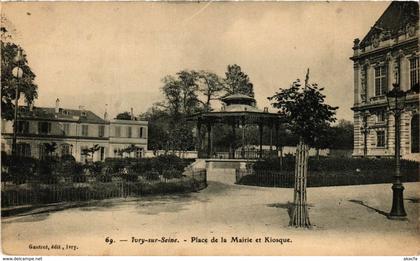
column 130, row 177
column 79, row 178
column 332, row 172
column 66, row 165
column 114, row 165
column 104, row 178
column 142, row 166
column 164, row 162
column 171, row 174
column 151, row 175
column 46, row 170
column 68, row 158
column 78, row 169
column 17, row 169
column 96, row 167
column 5, row 174
column 287, row 164
column 325, row 164
column 139, row 166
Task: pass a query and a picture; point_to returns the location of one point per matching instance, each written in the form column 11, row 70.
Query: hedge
column 20, row 169
column 42, row 194
column 334, row 164
column 330, row 172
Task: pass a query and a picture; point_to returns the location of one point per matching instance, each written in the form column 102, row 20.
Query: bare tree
column 210, row 86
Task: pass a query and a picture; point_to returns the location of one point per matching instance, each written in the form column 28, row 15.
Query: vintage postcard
column 210, row 128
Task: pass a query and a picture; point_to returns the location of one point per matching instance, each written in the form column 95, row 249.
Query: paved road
column 348, row 220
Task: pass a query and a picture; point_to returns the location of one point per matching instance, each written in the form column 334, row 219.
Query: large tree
column 26, row 85
column 189, row 87
column 323, row 138
column 186, row 93
column 181, row 100
column 210, row 86
column 123, row 116
column 237, row 82
column 158, row 125
column 172, row 93
column 306, row 112
column 342, row 135
column 181, row 93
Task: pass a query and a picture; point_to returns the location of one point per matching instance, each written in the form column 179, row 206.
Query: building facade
column 74, row 131
column 387, row 55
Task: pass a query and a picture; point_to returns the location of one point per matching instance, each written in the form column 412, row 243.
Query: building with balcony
column 388, row 54
column 74, row 131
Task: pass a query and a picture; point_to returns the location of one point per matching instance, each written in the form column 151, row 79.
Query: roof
column 240, row 108
column 395, row 19
column 46, row 113
column 237, row 96
column 238, row 113
column 128, row 122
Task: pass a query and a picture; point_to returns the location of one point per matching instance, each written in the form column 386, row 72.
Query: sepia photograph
column 213, row 128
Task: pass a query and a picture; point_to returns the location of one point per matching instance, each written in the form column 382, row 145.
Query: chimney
column 132, row 114
column 82, row 111
column 57, row 105
column 106, row 112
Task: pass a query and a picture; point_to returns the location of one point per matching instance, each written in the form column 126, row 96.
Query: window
column 44, row 127
column 101, row 131
column 85, row 130
column 65, row 149
column 129, row 131
column 102, row 153
column 141, row 132
column 380, row 81
column 414, row 73
column 23, row 149
column 380, row 116
column 117, row 131
column 23, row 127
column 364, row 89
column 380, row 141
column 42, row 153
column 139, row 153
column 66, row 128
column 83, row 155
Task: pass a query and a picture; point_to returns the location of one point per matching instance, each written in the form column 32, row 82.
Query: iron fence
column 286, row 179
column 61, row 189
column 239, row 154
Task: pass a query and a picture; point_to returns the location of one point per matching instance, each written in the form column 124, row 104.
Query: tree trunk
column 300, row 216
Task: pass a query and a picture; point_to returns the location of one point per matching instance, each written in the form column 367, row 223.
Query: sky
column 98, row 53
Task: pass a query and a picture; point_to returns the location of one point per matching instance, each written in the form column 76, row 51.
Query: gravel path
column 348, row 220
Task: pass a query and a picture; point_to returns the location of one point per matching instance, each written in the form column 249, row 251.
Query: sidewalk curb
column 39, row 208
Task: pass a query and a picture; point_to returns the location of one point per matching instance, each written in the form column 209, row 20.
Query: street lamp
column 396, row 102
column 18, row 74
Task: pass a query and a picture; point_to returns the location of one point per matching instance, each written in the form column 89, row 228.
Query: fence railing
column 286, row 179
column 239, row 154
column 35, row 191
